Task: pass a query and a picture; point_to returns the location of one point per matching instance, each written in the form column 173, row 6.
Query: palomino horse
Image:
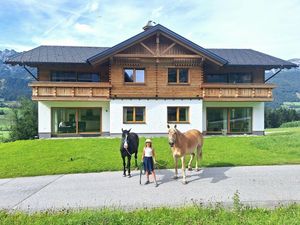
column 129, row 146
column 183, row 144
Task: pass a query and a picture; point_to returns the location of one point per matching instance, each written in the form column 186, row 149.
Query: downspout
column 274, row 75
column 30, row 73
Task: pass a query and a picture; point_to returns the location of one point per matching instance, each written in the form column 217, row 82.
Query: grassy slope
column 41, row 157
column 187, row 215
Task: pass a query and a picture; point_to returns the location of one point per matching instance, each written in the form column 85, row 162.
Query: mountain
column 13, row 79
column 288, row 85
column 14, row 82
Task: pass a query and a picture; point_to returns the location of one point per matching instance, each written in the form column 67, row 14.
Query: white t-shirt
column 148, row 152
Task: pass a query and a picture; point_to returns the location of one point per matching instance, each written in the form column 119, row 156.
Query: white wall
column 156, row 115
column 258, row 112
column 44, row 112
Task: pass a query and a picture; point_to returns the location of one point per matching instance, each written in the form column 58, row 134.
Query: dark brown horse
column 183, row 144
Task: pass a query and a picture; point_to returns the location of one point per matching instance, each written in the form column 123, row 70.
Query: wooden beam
column 157, row 56
column 168, row 48
column 146, row 47
column 157, row 44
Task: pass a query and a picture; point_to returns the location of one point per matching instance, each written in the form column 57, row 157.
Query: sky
column 269, row 26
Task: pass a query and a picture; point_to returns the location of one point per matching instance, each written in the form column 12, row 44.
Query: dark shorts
column 148, row 164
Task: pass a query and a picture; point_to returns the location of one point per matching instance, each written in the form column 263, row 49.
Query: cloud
column 270, row 26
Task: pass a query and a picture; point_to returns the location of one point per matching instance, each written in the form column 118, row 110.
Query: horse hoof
column 129, row 175
column 190, row 169
column 175, row 177
column 124, row 175
column 184, row 182
column 197, row 170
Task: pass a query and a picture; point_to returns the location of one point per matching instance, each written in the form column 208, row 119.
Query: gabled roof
column 157, row 28
column 55, row 54
column 88, row 55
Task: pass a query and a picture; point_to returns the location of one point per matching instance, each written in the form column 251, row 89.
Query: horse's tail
column 199, row 151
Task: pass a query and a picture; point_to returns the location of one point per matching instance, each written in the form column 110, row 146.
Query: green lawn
column 186, row 215
column 59, row 156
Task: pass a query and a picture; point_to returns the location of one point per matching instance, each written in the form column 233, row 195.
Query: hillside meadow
column 82, row 155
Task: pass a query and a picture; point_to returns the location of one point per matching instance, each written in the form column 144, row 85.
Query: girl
column 148, row 158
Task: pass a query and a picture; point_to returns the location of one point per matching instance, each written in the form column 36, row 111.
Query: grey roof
column 149, row 32
column 83, row 55
column 249, row 57
column 55, row 54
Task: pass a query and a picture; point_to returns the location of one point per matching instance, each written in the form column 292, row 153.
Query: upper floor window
column 178, row 114
column 133, row 75
column 134, row 115
column 64, row 76
column 178, row 75
column 229, row 78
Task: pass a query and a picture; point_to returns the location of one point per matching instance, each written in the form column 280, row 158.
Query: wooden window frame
column 134, row 115
column 77, row 120
column 134, row 75
column 228, row 120
column 177, row 114
column 177, row 76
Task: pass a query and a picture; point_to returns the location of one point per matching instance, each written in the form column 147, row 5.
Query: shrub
column 291, row 124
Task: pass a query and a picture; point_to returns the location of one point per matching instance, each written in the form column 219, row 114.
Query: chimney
column 149, row 25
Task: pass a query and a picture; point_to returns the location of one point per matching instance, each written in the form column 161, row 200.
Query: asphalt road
column 265, row 186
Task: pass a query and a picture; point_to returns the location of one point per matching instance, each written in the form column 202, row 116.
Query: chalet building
column 147, row 81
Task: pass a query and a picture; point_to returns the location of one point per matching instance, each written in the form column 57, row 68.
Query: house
column 147, row 81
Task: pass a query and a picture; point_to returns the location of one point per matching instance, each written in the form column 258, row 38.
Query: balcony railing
column 70, row 90
column 237, row 92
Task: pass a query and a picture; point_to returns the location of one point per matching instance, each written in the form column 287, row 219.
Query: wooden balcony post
column 253, row 93
column 236, row 92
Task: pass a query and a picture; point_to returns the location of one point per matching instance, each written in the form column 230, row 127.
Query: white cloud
column 83, row 28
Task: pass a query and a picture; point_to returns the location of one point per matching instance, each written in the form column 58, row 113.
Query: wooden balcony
column 74, row 91
column 237, row 92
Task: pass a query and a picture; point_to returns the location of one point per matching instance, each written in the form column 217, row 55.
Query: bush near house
column 291, row 124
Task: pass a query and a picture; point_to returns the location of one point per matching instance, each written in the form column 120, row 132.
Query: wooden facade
column 155, row 54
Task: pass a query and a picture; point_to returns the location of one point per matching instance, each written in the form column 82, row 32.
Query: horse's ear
column 129, row 130
column 175, row 126
column 168, row 126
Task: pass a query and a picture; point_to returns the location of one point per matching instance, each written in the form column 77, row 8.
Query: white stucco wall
column 156, row 115
column 258, row 112
column 44, row 112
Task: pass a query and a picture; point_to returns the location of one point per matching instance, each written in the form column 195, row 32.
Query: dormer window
column 178, row 75
column 134, row 75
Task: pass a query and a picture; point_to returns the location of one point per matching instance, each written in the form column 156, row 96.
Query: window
column 178, row 75
column 75, row 120
column 178, row 114
column 233, row 120
column 134, row 115
column 62, row 76
column 134, row 75
column 229, row 78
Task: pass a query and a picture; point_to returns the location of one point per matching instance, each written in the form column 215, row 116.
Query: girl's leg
column 154, row 177
column 147, row 175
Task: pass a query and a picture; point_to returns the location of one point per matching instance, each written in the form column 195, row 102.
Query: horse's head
column 125, row 134
column 172, row 134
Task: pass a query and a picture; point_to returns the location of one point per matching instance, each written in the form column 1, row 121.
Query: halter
column 126, row 142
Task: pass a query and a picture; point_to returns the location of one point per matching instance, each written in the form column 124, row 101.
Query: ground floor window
column 178, row 114
column 134, row 115
column 75, row 120
column 232, row 120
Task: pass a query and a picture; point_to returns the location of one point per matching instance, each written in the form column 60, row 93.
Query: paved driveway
column 257, row 185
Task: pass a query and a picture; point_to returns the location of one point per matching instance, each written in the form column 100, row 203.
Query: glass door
column 240, row 120
column 89, row 120
column 216, row 120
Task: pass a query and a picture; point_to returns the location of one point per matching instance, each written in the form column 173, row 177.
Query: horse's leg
column 183, row 170
column 199, row 156
column 135, row 158
column 124, row 167
column 176, row 167
column 190, row 162
column 128, row 165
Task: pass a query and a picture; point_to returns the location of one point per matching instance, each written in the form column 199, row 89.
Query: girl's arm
column 154, row 155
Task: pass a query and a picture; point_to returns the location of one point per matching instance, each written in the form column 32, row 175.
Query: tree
column 25, row 120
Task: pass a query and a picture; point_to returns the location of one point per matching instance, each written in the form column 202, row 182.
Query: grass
column 185, row 215
column 61, row 156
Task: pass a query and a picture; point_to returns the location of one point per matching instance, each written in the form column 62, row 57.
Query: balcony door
column 76, row 121
column 231, row 120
